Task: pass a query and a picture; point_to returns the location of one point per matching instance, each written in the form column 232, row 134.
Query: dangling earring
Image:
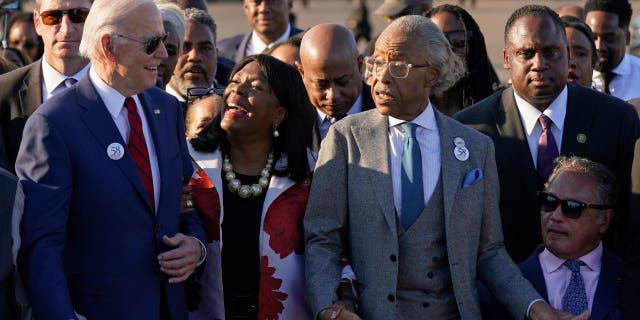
column 275, row 131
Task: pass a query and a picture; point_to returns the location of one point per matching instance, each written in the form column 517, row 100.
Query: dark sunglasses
column 571, row 209
column 54, row 17
column 458, row 38
column 150, row 45
column 197, row 92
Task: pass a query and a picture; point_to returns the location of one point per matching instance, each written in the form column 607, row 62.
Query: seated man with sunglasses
column 60, row 24
column 572, row 270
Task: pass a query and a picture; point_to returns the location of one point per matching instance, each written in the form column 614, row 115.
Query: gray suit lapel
column 372, row 140
column 451, row 168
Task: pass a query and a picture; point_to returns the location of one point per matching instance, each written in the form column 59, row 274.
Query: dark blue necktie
column 575, row 298
column 411, row 178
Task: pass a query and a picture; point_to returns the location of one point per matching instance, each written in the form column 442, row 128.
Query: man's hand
column 181, row 261
column 342, row 310
column 543, row 311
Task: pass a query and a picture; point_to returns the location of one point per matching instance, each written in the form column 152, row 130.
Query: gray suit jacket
column 351, row 210
column 20, row 95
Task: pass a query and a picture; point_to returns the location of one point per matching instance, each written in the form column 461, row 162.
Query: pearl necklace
column 243, row 190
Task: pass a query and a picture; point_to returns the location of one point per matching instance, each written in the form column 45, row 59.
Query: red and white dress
column 282, row 293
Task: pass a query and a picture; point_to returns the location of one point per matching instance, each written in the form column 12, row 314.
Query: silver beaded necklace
column 243, row 190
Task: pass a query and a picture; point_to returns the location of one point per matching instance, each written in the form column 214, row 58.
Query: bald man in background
column 330, row 69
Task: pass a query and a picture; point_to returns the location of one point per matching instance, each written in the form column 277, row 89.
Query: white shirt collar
column 556, row 111
column 256, row 45
column 426, row 119
column 113, row 100
column 52, row 78
column 169, row 89
column 593, row 259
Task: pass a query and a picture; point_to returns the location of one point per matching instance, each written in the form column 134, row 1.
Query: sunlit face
column 269, row 18
column 334, row 85
column 610, row 39
column 573, row 238
column 200, row 114
column 536, row 55
column 172, row 44
column 251, row 107
column 135, row 70
column 61, row 41
column 454, row 30
column 580, row 57
column 403, row 98
column 196, row 66
column 23, row 37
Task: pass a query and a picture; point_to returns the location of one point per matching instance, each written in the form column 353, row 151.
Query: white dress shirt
column 323, row 126
column 529, row 116
column 557, row 275
column 256, row 45
column 428, row 138
column 114, row 101
column 625, row 85
column 52, row 79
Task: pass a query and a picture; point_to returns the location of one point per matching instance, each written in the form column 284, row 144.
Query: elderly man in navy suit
column 102, row 164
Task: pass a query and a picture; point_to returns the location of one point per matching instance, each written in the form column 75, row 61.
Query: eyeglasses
column 150, row 45
column 397, row 69
column 197, row 92
column 571, row 209
column 54, row 17
column 457, row 38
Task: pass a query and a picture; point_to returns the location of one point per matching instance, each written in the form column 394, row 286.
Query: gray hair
column 105, row 17
column 426, row 34
column 604, row 178
column 202, row 17
column 172, row 14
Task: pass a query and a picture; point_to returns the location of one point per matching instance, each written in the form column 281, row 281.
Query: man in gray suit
column 412, row 259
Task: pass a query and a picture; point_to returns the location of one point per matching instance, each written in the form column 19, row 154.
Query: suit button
column 425, row 305
column 393, row 258
column 430, row 275
column 391, row 298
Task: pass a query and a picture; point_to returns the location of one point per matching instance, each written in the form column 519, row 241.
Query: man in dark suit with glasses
column 60, row 24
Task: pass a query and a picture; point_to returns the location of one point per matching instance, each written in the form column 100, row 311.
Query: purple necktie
column 547, row 148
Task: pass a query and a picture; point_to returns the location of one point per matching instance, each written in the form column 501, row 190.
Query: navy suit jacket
column 606, row 302
column 90, row 240
column 234, row 47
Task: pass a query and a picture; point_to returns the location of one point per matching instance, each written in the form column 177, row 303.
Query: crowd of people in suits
column 149, row 170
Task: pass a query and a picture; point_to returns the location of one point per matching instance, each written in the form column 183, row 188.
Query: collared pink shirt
column 557, row 275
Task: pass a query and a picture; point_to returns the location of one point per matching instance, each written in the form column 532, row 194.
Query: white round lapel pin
column 460, row 151
column 115, row 151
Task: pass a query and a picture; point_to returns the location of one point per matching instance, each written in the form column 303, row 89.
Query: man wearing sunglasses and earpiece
column 103, row 164
column 572, row 270
column 60, row 24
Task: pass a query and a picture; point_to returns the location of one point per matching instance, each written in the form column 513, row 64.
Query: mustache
column 553, row 227
column 194, row 68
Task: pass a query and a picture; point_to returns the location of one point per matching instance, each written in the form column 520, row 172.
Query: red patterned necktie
column 138, row 148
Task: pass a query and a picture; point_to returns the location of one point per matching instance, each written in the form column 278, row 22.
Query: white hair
column 426, row 34
column 172, row 14
column 106, row 17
